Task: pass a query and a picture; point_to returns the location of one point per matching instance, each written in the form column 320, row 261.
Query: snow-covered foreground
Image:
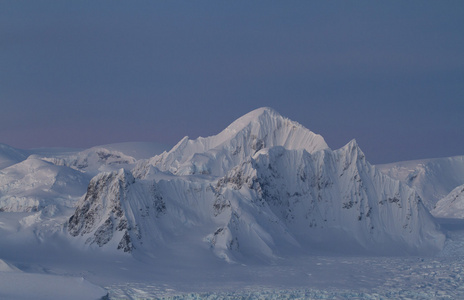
column 316, row 277
column 20, row 285
column 61, row 268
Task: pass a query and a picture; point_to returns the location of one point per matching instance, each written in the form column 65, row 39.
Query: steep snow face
column 215, row 155
column 336, row 199
column 451, row 206
column 10, row 156
column 182, row 214
column 34, row 184
column 432, row 178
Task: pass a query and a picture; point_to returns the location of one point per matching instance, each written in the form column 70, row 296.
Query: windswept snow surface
column 198, row 275
column 18, row 285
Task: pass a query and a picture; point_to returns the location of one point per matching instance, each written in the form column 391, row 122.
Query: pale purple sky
column 85, row 73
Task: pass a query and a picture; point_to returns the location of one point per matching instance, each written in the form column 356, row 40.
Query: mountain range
column 263, row 188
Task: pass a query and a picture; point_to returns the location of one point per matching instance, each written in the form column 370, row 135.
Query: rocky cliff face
column 100, row 213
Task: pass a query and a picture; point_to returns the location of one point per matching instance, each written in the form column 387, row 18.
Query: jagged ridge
column 264, row 186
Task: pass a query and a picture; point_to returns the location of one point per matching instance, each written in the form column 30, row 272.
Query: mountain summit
column 215, row 155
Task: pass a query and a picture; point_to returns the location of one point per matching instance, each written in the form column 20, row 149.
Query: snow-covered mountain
column 34, row 184
column 451, row 206
column 338, row 195
column 264, row 187
column 138, row 150
column 32, row 180
column 92, row 161
column 433, row 179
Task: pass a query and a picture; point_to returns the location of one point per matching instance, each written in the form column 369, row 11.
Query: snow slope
column 10, row 156
column 16, row 285
column 34, row 184
column 338, row 196
column 91, row 161
column 264, row 187
column 433, row 178
column 102, row 158
column 451, row 206
column 138, row 150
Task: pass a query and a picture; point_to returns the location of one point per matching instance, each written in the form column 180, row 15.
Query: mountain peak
column 352, row 149
column 352, row 145
column 256, row 130
column 258, row 115
column 267, row 125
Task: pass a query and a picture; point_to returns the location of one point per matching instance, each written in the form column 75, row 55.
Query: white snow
column 433, row 178
column 451, row 206
column 215, row 155
column 17, row 285
column 34, row 184
column 138, row 150
column 283, row 192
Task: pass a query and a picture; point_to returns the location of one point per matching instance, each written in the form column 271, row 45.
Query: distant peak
column 353, row 148
column 265, row 109
column 352, row 144
column 257, row 115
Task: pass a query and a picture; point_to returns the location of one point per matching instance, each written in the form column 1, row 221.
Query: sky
column 83, row 73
